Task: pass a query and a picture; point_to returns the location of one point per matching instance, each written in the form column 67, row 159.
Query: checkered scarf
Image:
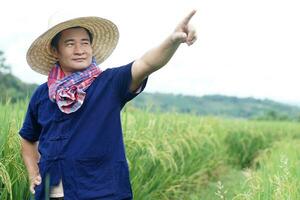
column 69, row 91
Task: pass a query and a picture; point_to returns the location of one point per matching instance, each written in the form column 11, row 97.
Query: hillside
column 11, row 87
column 14, row 89
column 218, row 105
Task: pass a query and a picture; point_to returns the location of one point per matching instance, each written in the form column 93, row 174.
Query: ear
column 54, row 51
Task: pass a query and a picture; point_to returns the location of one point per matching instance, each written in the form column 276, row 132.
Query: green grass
column 278, row 175
column 175, row 156
column 13, row 177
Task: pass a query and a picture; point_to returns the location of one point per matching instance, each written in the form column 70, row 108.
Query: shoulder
column 113, row 73
column 120, row 69
column 42, row 87
column 39, row 93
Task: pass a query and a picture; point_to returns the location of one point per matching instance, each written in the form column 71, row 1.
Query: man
column 71, row 136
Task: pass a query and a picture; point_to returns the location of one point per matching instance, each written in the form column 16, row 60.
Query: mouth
column 79, row 59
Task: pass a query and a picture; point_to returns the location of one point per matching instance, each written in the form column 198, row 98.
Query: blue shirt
column 85, row 148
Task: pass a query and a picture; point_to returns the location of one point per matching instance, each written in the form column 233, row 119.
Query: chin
column 81, row 66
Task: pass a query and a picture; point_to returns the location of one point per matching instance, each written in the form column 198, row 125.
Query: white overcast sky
column 245, row 48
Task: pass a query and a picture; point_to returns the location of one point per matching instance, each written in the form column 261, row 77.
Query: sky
column 244, row 48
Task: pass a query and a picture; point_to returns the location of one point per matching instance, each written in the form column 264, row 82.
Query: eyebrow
column 72, row 40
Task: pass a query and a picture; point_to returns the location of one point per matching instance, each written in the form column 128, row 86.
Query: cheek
column 65, row 54
column 90, row 51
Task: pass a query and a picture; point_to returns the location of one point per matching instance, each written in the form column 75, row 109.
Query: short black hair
column 56, row 38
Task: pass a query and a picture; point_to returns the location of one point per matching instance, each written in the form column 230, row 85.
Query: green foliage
column 3, row 67
column 169, row 154
column 13, row 176
column 272, row 115
column 278, row 177
column 218, row 105
column 180, row 156
column 244, row 146
column 11, row 88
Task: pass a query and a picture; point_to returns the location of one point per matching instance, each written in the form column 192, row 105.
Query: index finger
column 187, row 19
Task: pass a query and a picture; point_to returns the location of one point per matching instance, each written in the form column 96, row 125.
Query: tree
column 3, row 67
column 11, row 87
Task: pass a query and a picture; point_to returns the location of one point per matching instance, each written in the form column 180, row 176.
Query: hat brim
column 105, row 39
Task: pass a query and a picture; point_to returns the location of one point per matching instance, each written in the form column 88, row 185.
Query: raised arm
column 159, row 56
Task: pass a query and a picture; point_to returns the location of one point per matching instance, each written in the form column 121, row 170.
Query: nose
column 78, row 50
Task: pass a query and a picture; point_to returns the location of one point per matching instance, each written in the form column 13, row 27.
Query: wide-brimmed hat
column 105, row 38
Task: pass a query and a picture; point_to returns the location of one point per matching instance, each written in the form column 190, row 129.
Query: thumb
column 179, row 37
column 36, row 181
column 32, row 188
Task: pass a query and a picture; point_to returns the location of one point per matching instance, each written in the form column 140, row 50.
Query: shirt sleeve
column 122, row 81
column 31, row 129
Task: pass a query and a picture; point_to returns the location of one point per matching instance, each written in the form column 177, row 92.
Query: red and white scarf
column 69, row 91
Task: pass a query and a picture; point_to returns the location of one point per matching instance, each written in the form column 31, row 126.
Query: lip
column 79, row 59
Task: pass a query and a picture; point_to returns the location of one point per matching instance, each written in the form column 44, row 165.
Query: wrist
column 177, row 38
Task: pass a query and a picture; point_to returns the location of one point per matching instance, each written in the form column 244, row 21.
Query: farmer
column 71, row 137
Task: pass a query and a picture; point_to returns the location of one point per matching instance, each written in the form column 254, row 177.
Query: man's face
column 74, row 51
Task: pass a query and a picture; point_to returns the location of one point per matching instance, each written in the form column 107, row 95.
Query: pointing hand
column 184, row 32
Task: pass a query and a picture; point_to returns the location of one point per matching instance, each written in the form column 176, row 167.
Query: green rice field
column 183, row 157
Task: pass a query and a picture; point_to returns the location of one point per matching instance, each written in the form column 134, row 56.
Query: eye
column 85, row 43
column 69, row 44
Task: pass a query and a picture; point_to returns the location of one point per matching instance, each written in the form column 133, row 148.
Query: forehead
column 77, row 32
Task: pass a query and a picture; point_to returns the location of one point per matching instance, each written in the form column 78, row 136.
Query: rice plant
column 178, row 156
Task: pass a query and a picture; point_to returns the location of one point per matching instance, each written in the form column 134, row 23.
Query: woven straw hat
column 105, row 38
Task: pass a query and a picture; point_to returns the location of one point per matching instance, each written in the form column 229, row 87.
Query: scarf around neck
column 68, row 92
